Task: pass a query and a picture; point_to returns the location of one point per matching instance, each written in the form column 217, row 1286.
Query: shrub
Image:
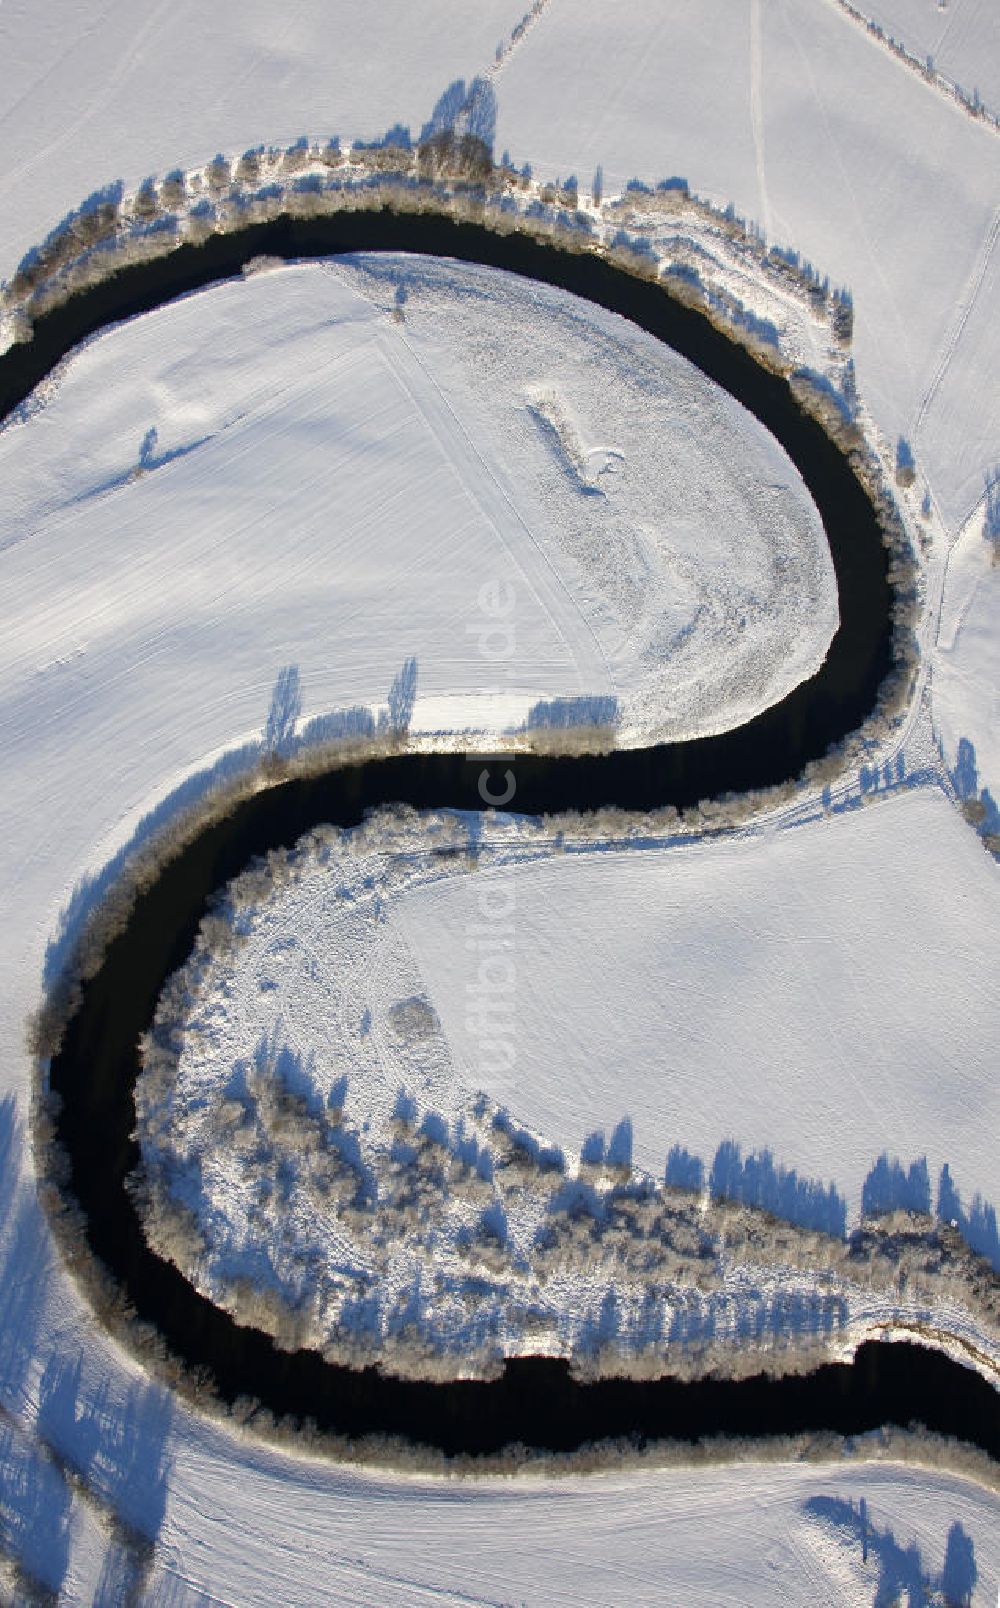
column 217, row 175
column 173, row 190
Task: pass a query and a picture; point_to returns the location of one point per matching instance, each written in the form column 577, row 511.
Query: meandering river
column 536, row 1401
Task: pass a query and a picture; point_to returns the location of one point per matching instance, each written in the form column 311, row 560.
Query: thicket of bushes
column 249, row 1416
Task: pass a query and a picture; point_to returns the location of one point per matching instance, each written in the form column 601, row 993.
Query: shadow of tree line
column 565, row 714
column 978, row 804
column 88, row 1438
column 280, row 738
column 756, row 1180
column 901, row 1572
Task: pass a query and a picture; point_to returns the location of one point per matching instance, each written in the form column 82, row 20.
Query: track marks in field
column 963, row 312
column 939, row 83
column 491, row 499
column 757, row 112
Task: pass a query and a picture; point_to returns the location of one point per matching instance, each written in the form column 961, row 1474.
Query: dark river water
column 536, row 1401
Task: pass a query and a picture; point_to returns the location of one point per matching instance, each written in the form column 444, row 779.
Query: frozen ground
column 787, row 109
column 792, row 113
column 92, row 94
column 727, row 991
column 747, row 1535
column 341, row 488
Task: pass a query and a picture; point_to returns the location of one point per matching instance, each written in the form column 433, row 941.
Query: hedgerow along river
column 536, row 1401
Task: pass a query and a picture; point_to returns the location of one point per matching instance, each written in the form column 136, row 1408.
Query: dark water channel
column 536, row 1402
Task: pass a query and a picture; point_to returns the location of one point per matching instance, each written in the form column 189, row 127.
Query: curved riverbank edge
column 738, row 1291
column 87, row 1150
column 852, row 702
column 107, row 263
column 296, row 238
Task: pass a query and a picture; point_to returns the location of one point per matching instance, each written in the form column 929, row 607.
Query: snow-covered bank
column 729, row 990
column 788, row 110
column 291, row 423
column 754, row 1534
column 802, row 123
column 364, row 1098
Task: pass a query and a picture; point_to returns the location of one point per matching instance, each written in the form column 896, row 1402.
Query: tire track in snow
column 898, row 335
column 96, row 103
column 491, row 499
column 757, row 113
column 967, row 302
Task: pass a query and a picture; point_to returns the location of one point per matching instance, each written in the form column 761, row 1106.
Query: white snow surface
column 967, row 660
column 727, row 991
column 667, row 997
column 713, row 992
column 790, row 112
column 787, row 109
column 748, row 1535
column 89, row 95
column 333, row 488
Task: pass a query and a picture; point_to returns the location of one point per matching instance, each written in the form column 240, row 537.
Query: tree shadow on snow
column 280, row 737
column 889, row 1187
column 756, row 1181
column 978, row 804
column 977, row 1226
column 901, row 1572
column 116, row 1441
column 35, row 1515
column 563, row 714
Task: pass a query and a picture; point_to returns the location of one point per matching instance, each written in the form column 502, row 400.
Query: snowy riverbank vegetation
column 357, row 1201
column 777, row 305
column 642, row 1235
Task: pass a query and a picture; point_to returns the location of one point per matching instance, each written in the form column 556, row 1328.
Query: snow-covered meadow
column 801, row 120
column 790, row 111
column 960, row 41
column 338, row 459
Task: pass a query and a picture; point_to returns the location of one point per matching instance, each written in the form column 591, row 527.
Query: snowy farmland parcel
column 344, row 487
column 658, row 1094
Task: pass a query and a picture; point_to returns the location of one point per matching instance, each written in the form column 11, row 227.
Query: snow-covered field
column 748, row 1535
column 341, row 487
column 967, row 669
column 786, row 109
column 789, row 110
column 724, row 992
